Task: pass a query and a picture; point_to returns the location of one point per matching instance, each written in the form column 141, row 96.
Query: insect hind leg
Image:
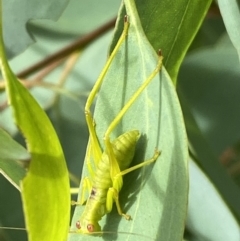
column 90, row 122
column 112, row 195
column 126, row 107
column 115, row 173
column 117, row 119
column 140, row 165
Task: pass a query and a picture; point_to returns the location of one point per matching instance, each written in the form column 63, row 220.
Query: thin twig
column 79, row 43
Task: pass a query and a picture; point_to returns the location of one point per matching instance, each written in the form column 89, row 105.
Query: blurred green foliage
column 208, row 86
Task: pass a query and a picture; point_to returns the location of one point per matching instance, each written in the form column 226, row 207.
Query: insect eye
column 90, row 228
column 78, row 224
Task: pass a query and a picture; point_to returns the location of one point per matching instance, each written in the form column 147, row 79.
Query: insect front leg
column 86, row 186
column 112, row 196
column 87, row 181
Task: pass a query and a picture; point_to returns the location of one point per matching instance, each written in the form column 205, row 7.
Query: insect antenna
column 93, row 233
column 113, row 232
column 12, row 228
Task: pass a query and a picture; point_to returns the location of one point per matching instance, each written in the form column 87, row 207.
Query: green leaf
column 12, row 171
column 77, row 14
column 45, row 189
column 231, row 17
column 204, row 122
column 155, row 196
column 16, row 14
column 51, row 37
column 206, row 215
column 10, row 151
column 170, row 26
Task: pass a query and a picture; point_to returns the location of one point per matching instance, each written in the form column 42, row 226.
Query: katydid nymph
column 114, row 162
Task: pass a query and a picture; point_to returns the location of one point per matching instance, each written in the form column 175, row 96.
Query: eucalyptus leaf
column 12, row 171
column 204, row 121
column 209, row 218
column 155, row 196
column 231, row 17
column 10, row 149
column 10, row 152
column 45, row 189
column 170, row 26
column 77, row 14
column 16, row 14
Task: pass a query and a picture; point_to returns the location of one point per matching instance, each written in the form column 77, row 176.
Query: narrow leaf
column 207, row 211
column 156, row 195
column 16, row 15
column 10, row 149
column 201, row 150
column 170, row 26
column 45, row 189
column 231, row 18
column 10, row 152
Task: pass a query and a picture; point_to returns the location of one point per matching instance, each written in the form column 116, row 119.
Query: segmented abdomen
column 124, row 149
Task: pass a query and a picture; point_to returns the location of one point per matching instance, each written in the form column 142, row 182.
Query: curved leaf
column 155, row 196
column 204, row 122
column 77, row 14
column 231, row 18
column 10, row 151
column 12, row 171
column 170, row 26
column 45, row 189
column 207, row 211
column 16, row 14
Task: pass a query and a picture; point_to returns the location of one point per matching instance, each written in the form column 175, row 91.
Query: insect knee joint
column 106, row 138
column 87, row 112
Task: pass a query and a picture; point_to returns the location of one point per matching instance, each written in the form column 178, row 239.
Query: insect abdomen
column 124, row 148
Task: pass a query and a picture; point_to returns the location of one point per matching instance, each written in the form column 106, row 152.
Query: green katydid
column 111, row 164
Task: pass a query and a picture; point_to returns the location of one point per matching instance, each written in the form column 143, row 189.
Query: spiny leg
column 93, row 136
